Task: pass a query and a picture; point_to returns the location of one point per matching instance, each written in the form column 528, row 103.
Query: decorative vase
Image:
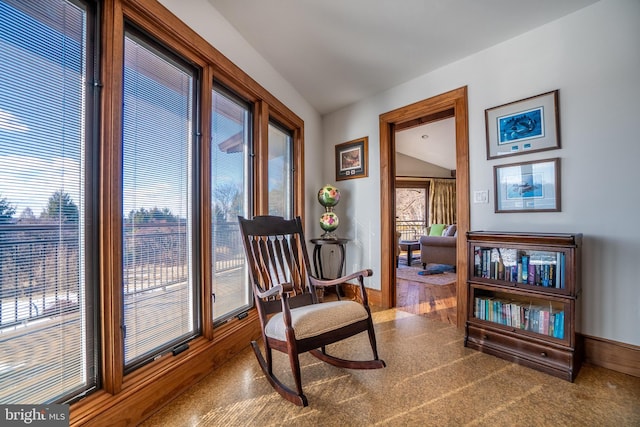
column 329, row 222
column 329, row 196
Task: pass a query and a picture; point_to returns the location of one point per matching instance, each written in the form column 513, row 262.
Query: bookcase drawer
column 552, row 360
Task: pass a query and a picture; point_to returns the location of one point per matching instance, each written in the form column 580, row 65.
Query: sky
column 42, row 129
column 35, row 136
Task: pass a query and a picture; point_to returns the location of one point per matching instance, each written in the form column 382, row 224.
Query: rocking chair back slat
column 276, row 257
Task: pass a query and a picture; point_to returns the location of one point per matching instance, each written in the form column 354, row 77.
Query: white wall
column 410, row 166
column 593, row 57
column 203, row 18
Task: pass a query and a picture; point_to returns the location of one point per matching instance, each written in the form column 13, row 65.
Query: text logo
column 51, row 415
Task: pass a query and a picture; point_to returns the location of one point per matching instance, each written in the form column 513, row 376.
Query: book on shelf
column 525, row 269
column 534, row 268
column 544, row 322
column 558, row 327
column 527, row 316
column 531, row 278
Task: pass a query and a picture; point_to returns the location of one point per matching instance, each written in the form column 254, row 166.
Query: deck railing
column 40, row 265
column 410, row 229
column 39, row 271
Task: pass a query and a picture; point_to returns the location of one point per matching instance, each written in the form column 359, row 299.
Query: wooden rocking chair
column 293, row 321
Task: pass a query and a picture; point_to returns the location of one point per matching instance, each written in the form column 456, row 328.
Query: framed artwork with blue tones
column 524, row 126
column 528, row 186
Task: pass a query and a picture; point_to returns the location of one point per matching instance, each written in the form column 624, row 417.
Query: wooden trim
column 352, row 291
column 375, row 297
column 412, row 182
column 437, row 106
column 144, row 18
column 261, row 158
column 262, row 119
column 440, row 115
column 156, row 384
column 206, row 263
column 298, row 172
column 463, row 209
column 388, row 212
column 167, row 24
column 612, row 355
column 110, row 202
column 125, row 400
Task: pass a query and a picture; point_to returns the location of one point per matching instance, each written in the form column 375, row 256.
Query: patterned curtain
column 442, row 201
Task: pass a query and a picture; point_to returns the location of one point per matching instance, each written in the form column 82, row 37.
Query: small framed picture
column 528, row 186
column 351, row 159
column 524, row 126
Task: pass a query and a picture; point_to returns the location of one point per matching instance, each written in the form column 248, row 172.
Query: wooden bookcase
column 523, row 299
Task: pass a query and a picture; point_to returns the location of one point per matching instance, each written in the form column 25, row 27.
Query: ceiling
column 337, row 52
column 434, row 143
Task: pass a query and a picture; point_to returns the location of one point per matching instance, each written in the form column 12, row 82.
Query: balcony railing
column 410, row 229
column 40, row 264
column 39, row 271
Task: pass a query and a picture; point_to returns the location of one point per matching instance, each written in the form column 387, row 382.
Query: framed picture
column 351, row 159
column 528, row 186
column 524, row 126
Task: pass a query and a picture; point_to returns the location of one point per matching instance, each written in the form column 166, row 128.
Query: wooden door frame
column 449, row 104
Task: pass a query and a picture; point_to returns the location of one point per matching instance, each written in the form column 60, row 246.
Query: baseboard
column 617, row 356
column 351, row 291
column 612, row 355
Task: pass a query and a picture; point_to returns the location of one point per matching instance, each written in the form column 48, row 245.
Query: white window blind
column 280, row 172
column 46, row 342
column 160, row 303
column 230, row 192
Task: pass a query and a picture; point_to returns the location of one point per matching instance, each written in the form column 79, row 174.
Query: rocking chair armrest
column 275, row 290
column 332, row 282
column 359, row 275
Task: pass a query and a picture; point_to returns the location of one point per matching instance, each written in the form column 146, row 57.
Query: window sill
column 147, row 389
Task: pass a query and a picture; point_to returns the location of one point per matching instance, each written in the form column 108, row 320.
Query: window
column 230, row 195
column 280, row 171
column 71, row 186
column 159, row 284
column 411, row 208
column 47, row 235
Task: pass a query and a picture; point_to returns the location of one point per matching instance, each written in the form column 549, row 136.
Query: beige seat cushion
column 315, row 319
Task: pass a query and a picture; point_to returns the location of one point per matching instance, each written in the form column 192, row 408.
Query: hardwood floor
column 431, row 379
column 436, row 302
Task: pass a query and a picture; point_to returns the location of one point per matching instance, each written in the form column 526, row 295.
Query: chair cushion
column 315, row 319
column 450, row 231
column 437, row 229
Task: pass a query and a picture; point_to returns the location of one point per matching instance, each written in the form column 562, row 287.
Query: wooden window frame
column 130, row 398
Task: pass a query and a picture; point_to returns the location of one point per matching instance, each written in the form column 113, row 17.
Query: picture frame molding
column 543, row 106
column 506, row 202
column 358, row 149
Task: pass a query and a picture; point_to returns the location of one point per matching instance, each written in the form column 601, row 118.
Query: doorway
column 449, row 104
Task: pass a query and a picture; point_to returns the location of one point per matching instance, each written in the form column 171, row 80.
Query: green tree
column 6, row 210
column 60, row 206
column 144, row 216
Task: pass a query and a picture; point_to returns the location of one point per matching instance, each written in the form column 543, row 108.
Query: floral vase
column 329, row 222
column 329, row 196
